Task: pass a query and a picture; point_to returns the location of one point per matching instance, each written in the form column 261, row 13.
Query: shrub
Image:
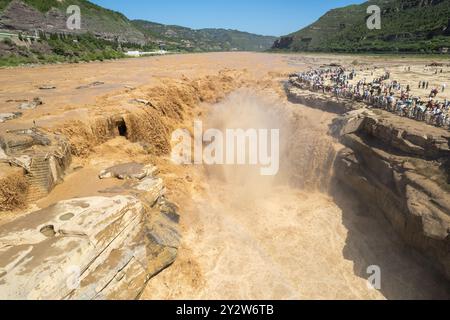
column 8, row 41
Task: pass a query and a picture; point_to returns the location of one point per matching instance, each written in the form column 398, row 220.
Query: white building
column 150, row 53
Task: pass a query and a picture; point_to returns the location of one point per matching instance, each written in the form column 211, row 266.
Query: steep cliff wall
column 393, row 167
column 403, row 176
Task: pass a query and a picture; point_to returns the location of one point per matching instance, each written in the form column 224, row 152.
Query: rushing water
column 251, row 237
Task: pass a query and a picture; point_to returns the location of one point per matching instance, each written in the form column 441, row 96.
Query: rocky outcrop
column 21, row 16
column 90, row 248
column 297, row 93
column 104, row 23
column 30, row 105
column 401, row 174
column 396, row 168
column 127, row 171
column 13, row 187
column 283, row 43
column 44, row 158
column 9, row 116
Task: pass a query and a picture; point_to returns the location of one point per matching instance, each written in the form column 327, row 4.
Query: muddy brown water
column 252, row 237
column 244, row 237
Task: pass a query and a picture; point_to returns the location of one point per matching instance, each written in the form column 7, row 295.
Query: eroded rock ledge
column 116, row 242
column 41, row 158
column 394, row 169
column 91, row 248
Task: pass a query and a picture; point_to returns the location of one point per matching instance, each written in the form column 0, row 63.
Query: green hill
column 50, row 16
column 104, row 34
column 419, row 26
column 203, row 39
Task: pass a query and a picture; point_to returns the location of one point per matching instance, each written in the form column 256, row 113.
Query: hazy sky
column 269, row 17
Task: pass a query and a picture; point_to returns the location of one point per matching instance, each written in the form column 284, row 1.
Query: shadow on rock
column 371, row 241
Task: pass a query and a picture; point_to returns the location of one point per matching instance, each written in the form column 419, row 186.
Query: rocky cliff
column 51, row 17
column 402, row 175
column 395, row 168
column 22, row 16
column 92, row 248
column 406, row 25
column 110, row 241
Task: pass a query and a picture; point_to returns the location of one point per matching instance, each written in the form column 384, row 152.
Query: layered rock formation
column 43, row 158
column 90, row 248
column 298, row 92
column 9, row 116
column 106, row 244
column 402, row 175
column 393, row 167
column 21, row 16
column 127, row 171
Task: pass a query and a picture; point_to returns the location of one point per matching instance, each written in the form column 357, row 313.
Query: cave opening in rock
column 122, row 128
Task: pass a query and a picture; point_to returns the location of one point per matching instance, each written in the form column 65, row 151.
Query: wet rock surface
column 47, row 87
column 114, row 252
column 91, row 85
column 44, row 158
column 298, row 94
column 402, row 174
column 9, row 116
column 128, row 171
column 90, row 248
column 141, row 101
column 94, row 247
column 30, row 105
column 19, row 15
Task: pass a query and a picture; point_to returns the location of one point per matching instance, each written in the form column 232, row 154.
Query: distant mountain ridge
column 406, row 26
column 204, row 39
column 50, row 16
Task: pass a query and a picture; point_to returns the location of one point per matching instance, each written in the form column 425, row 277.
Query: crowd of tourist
column 381, row 92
